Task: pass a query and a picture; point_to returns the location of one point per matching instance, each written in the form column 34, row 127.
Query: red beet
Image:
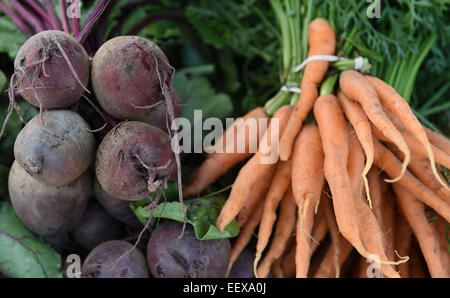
column 128, row 74
column 134, row 160
column 44, row 76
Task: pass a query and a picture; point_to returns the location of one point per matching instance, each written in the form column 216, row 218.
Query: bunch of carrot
column 354, row 190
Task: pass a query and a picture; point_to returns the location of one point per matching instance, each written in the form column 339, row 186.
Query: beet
column 187, row 257
column 102, row 261
column 117, row 208
column 97, row 226
column 48, row 210
column 134, row 160
column 57, row 150
column 125, row 77
column 42, row 73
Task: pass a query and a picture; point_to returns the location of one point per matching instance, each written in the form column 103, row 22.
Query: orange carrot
column 307, row 185
column 245, row 235
column 440, row 156
column 257, row 194
column 334, row 232
column 277, row 270
column 440, row 231
column 334, row 135
column 255, row 168
column 414, row 211
column 283, row 231
column 218, row 164
column 400, row 108
column 438, row 140
column 420, row 167
column 386, row 160
column 327, row 267
column 403, row 236
column 287, row 259
column 356, row 87
column 383, row 209
column 320, row 229
column 370, row 231
column 355, row 114
column 280, row 183
column 416, row 265
column 322, row 41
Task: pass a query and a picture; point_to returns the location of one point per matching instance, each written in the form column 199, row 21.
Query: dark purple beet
column 119, row 209
column 97, row 226
column 134, row 160
column 102, row 261
column 171, row 257
column 48, row 210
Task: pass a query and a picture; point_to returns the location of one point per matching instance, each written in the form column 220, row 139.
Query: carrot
column 440, row 156
column 355, row 114
column 334, row 232
column 439, row 228
column 420, row 167
column 416, row 265
column 319, row 231
column 403, row 236
column 277, row 270
column 370, row 231
column 287, row 259
column 322, row 40
column 257, row 194
column 386, row 160
column 327, row 268
column 307, row 185
column 356, row 87
column 334, row 135
column 414, row 211
column 280, row 183
column 255, row 168
column 283, row 231
column 383, row 209
column 438, row 140
column 218, row 164
column 245, row 235
column 400, row 108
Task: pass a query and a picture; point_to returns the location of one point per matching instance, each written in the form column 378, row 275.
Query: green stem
column 436, row 109
column 280, row 99
column 435, row 98
column 327, row 87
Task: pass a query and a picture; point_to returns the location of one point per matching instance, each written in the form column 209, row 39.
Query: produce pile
column 349, row 178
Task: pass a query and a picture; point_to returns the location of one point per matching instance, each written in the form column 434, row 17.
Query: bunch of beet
column 60, row 164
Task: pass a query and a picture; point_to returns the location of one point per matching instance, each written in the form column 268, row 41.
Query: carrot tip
column 255, row 264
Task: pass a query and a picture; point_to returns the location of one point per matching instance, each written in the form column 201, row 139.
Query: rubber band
column 291, row 89
column 359, row 63
column 329, row 58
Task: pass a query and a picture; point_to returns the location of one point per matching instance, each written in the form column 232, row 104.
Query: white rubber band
column 291, row 89
column 359, row 63
column 328, row 58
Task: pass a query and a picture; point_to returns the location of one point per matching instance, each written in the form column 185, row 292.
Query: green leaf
column 201, row 213
column 11, row 39
column 22, row 253
column 196, row 92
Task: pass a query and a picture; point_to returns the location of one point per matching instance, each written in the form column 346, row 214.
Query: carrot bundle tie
column 360, row 63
